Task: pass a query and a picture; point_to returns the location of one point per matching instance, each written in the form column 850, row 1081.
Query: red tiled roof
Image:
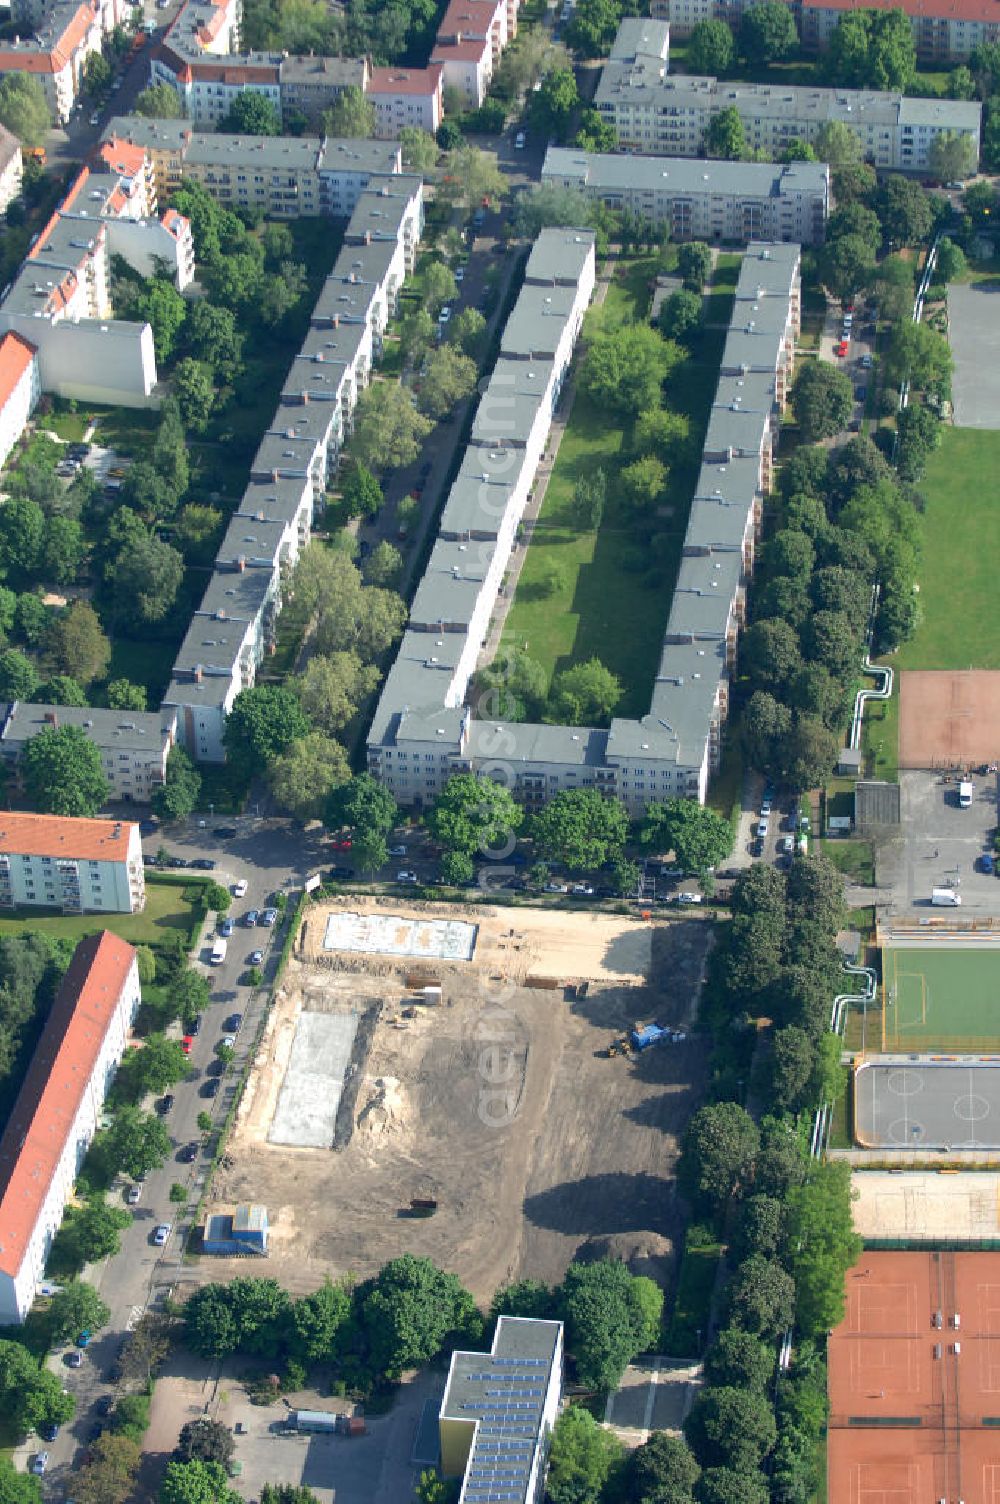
column 122, row 156
column 61, row 835
column 467, row 16
column 926, row 10
column 469, row 50
column 16, row 356
column 57, row 1078
column 404, row 80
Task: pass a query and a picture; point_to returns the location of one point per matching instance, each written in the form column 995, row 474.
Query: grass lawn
column 615, row 585
column 880, row 737
column 69, row 426
column 127, row 430
column 961, row 540
column 689, row 1323
column 144, row 661
column 166, row 909
column 852, row 858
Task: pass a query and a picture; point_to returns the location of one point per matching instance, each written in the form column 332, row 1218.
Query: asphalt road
column 273, row 856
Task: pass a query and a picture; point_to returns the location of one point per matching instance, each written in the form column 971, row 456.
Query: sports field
column 939, row 997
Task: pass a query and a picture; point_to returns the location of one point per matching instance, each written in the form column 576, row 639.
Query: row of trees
column 31, row 967
column 411, row 1312
column 846, row 521
column 791, row 1238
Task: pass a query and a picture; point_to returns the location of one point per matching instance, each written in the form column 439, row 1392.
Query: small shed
column 243, row 1231
column 849, row 761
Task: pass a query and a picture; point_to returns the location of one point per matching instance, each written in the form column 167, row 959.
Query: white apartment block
column 424, row 730
column 234, row 628
column 698, row 200
column 65, row 36
column 945, row 31
column 79, row 866
column 669, row 116
column 58, row 1110
column 406, row 96
column 11, row 169
column 134, row 745
column 20, row 389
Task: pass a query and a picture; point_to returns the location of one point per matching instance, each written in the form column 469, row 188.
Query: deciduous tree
column 580, row 829
column 75, row 1308
column 767, row 33
column 63, row 773
column 624, row 371
column 711, row 48
column 136, row 1143
column 582, row 1456
column 717, row 1156
column 410, row 1311
column 303, row 774
column 352, row 114
column 75, row 644
column 447, row 378
column 179, row 794
column 473, row 814
column 607, row 1321
column 730, row 1428
column 250, row 114
column 263, row 722
column 388, row 429
column 585, row 694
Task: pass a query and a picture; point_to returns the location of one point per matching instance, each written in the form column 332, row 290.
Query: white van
column 219, row 951
column 945, row 898
column 964, row 794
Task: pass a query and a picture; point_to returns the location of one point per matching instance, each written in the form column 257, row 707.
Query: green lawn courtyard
column 614, row 585
column 166, row 909
column 961, row 542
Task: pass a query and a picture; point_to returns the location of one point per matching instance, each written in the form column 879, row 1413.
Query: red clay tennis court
column 948, row 720
column 914, row 1379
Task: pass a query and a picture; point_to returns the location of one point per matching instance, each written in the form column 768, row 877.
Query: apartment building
column 945, row 31
column 406, row 96
column 713, row 201
column 669, row 116
column 234, row 628
column 283, row 175
column 11, row 169
column 56, row 54
column 498, row 1411
column 20, row 389
column 79, row 866
column 423, row 729
column 60, row 303
column 58, row 1109
column 134, row 745
column 310, row 85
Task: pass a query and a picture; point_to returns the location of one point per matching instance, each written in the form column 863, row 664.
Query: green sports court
column 937, row 996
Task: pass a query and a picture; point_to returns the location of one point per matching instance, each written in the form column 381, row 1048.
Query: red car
column 343, row 845
column 186, row 1044
column 842, row 349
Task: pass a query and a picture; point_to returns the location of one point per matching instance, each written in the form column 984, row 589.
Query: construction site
column 462, row 1084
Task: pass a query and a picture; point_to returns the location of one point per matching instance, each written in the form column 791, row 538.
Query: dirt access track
column 500, row 1104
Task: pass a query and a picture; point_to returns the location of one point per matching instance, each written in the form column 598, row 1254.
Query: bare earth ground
column 948, row 720
column 499, row 1105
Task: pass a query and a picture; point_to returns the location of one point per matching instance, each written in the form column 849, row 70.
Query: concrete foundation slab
column 394, row 935
column 306, row 1112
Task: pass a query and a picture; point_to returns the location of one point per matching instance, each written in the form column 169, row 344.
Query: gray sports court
column 927, row 1102
column 974, row 332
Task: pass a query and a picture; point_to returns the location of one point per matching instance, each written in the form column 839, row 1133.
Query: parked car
column 582, row 890
column 397, row 850
column 188, row 1154
column 194, row 1026
column 229, row 1042
column 556, row 888
column 105, row 1404
column 225, row 928
column 341, row 874
column 74, row 1359
column 240, row 888
column 204, row 864
column 187, row 1043
column 406, row 877
column 39, row 1463
column 234, row 1020
column 866, row 362
column 49, row 1431
column 445, row 314
column 210, row 1088
column 841, row 350
column 269, row 917
column 688, row 898
column 165, row 1103
column 161, row 1234
column 255, row 958
column 250, row 918
column 986, row 862
column 133, row 1195
column 519, row 141
column 224, row 832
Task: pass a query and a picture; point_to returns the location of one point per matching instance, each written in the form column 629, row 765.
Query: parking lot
column 940, row 845
column 377, row 1468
